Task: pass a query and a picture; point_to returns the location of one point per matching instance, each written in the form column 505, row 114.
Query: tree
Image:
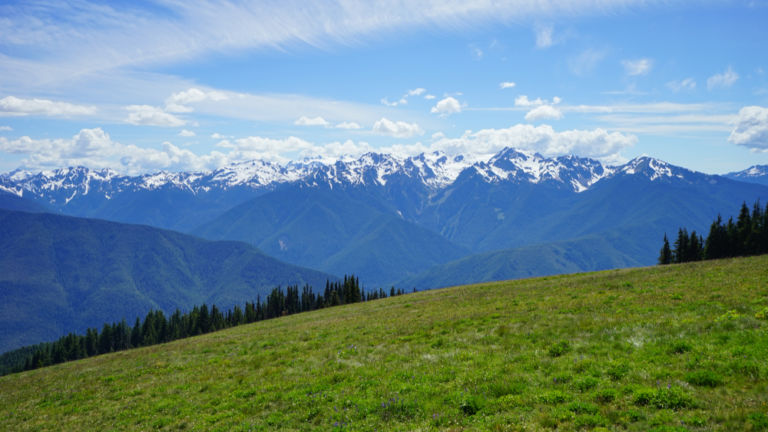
column 716, row 245
column 665, row 255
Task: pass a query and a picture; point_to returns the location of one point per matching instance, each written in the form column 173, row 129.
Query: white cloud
column 178, row 102
column 446, row 107
column 397, row 129
column 219, row 136
column 348, row 125
column 685, row 84
column 429, row 97
column 725, row 79
column 385, row 101
column 751, row 128
column 543, row 112
column 311, row 121
column 291, row 148
column 5, row 128
column 597, row 143
column 13, row 106
column 585, row 62
column 544, row 36
column 94, row 148
column 637, row 67
column 523, row 101
column 146, row 115
column 404, row 98
column 506, row 85
column 186, row 133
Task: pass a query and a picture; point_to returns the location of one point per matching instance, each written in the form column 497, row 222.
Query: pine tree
column 665, row 255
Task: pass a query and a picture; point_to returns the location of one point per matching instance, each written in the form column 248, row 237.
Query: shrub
column 562, row 378
column 586, row 383
column 554, row 397
column 762, row 314
column 503, row 388
column 680, row 347
column 559, row 349
column 704, row 378
column 759, row 421
column 471, row 405
column 728, row 316
column 605, row 395
column 582, row 408
column 589, row 421
column 617, row 371
column 671, row 398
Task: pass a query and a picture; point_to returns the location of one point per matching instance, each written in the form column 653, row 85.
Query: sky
column 174, row 85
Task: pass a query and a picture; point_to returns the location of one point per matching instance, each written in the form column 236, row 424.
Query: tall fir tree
column 665, row 255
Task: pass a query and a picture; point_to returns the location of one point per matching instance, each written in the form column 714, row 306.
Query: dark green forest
column 747, row 236
column 157, row 328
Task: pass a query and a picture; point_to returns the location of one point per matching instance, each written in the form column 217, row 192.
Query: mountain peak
column 652, row 168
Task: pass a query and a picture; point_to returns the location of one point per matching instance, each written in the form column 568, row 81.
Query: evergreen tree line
column 747, row 236
column 158, row 328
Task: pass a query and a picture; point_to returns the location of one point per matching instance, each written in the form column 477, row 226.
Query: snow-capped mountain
column 434, row 170
column 384, row 217
column 572, row 172
column 754, row 174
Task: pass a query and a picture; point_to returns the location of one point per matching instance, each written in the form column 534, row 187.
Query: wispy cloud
column 348, row 125
column 13, row 106
column 146, row 115
column 722, row 80
column 506, row 85
column 585, row 62
column 54, row 37
column 637, row 67
column 684, row 84
column 544, row 36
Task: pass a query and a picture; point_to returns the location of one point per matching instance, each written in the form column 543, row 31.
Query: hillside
column 60, row 274
column 672, row 348
column 585, row 254
column 9, row 201
column 332, row 229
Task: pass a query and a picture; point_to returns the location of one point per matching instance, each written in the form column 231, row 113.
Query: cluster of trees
column 157, row 328
column 747, row 236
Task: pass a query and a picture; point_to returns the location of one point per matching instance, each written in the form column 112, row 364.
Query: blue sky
column 172, row 85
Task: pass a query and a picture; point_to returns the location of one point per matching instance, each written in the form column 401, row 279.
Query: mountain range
column 61, row 274
column 397, row 220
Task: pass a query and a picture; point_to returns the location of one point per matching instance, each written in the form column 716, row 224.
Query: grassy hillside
column 669, row 348
column 60, row 274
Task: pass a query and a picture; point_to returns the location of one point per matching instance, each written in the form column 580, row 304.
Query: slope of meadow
column 671, row 348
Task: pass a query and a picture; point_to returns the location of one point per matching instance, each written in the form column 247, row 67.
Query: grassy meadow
column 673, row 348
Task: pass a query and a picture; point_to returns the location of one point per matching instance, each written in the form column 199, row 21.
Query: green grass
column 670, row 348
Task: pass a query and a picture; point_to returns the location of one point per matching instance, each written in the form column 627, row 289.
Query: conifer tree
column 665, row 255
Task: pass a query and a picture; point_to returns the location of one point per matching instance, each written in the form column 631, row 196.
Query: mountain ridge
column 60, row 274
